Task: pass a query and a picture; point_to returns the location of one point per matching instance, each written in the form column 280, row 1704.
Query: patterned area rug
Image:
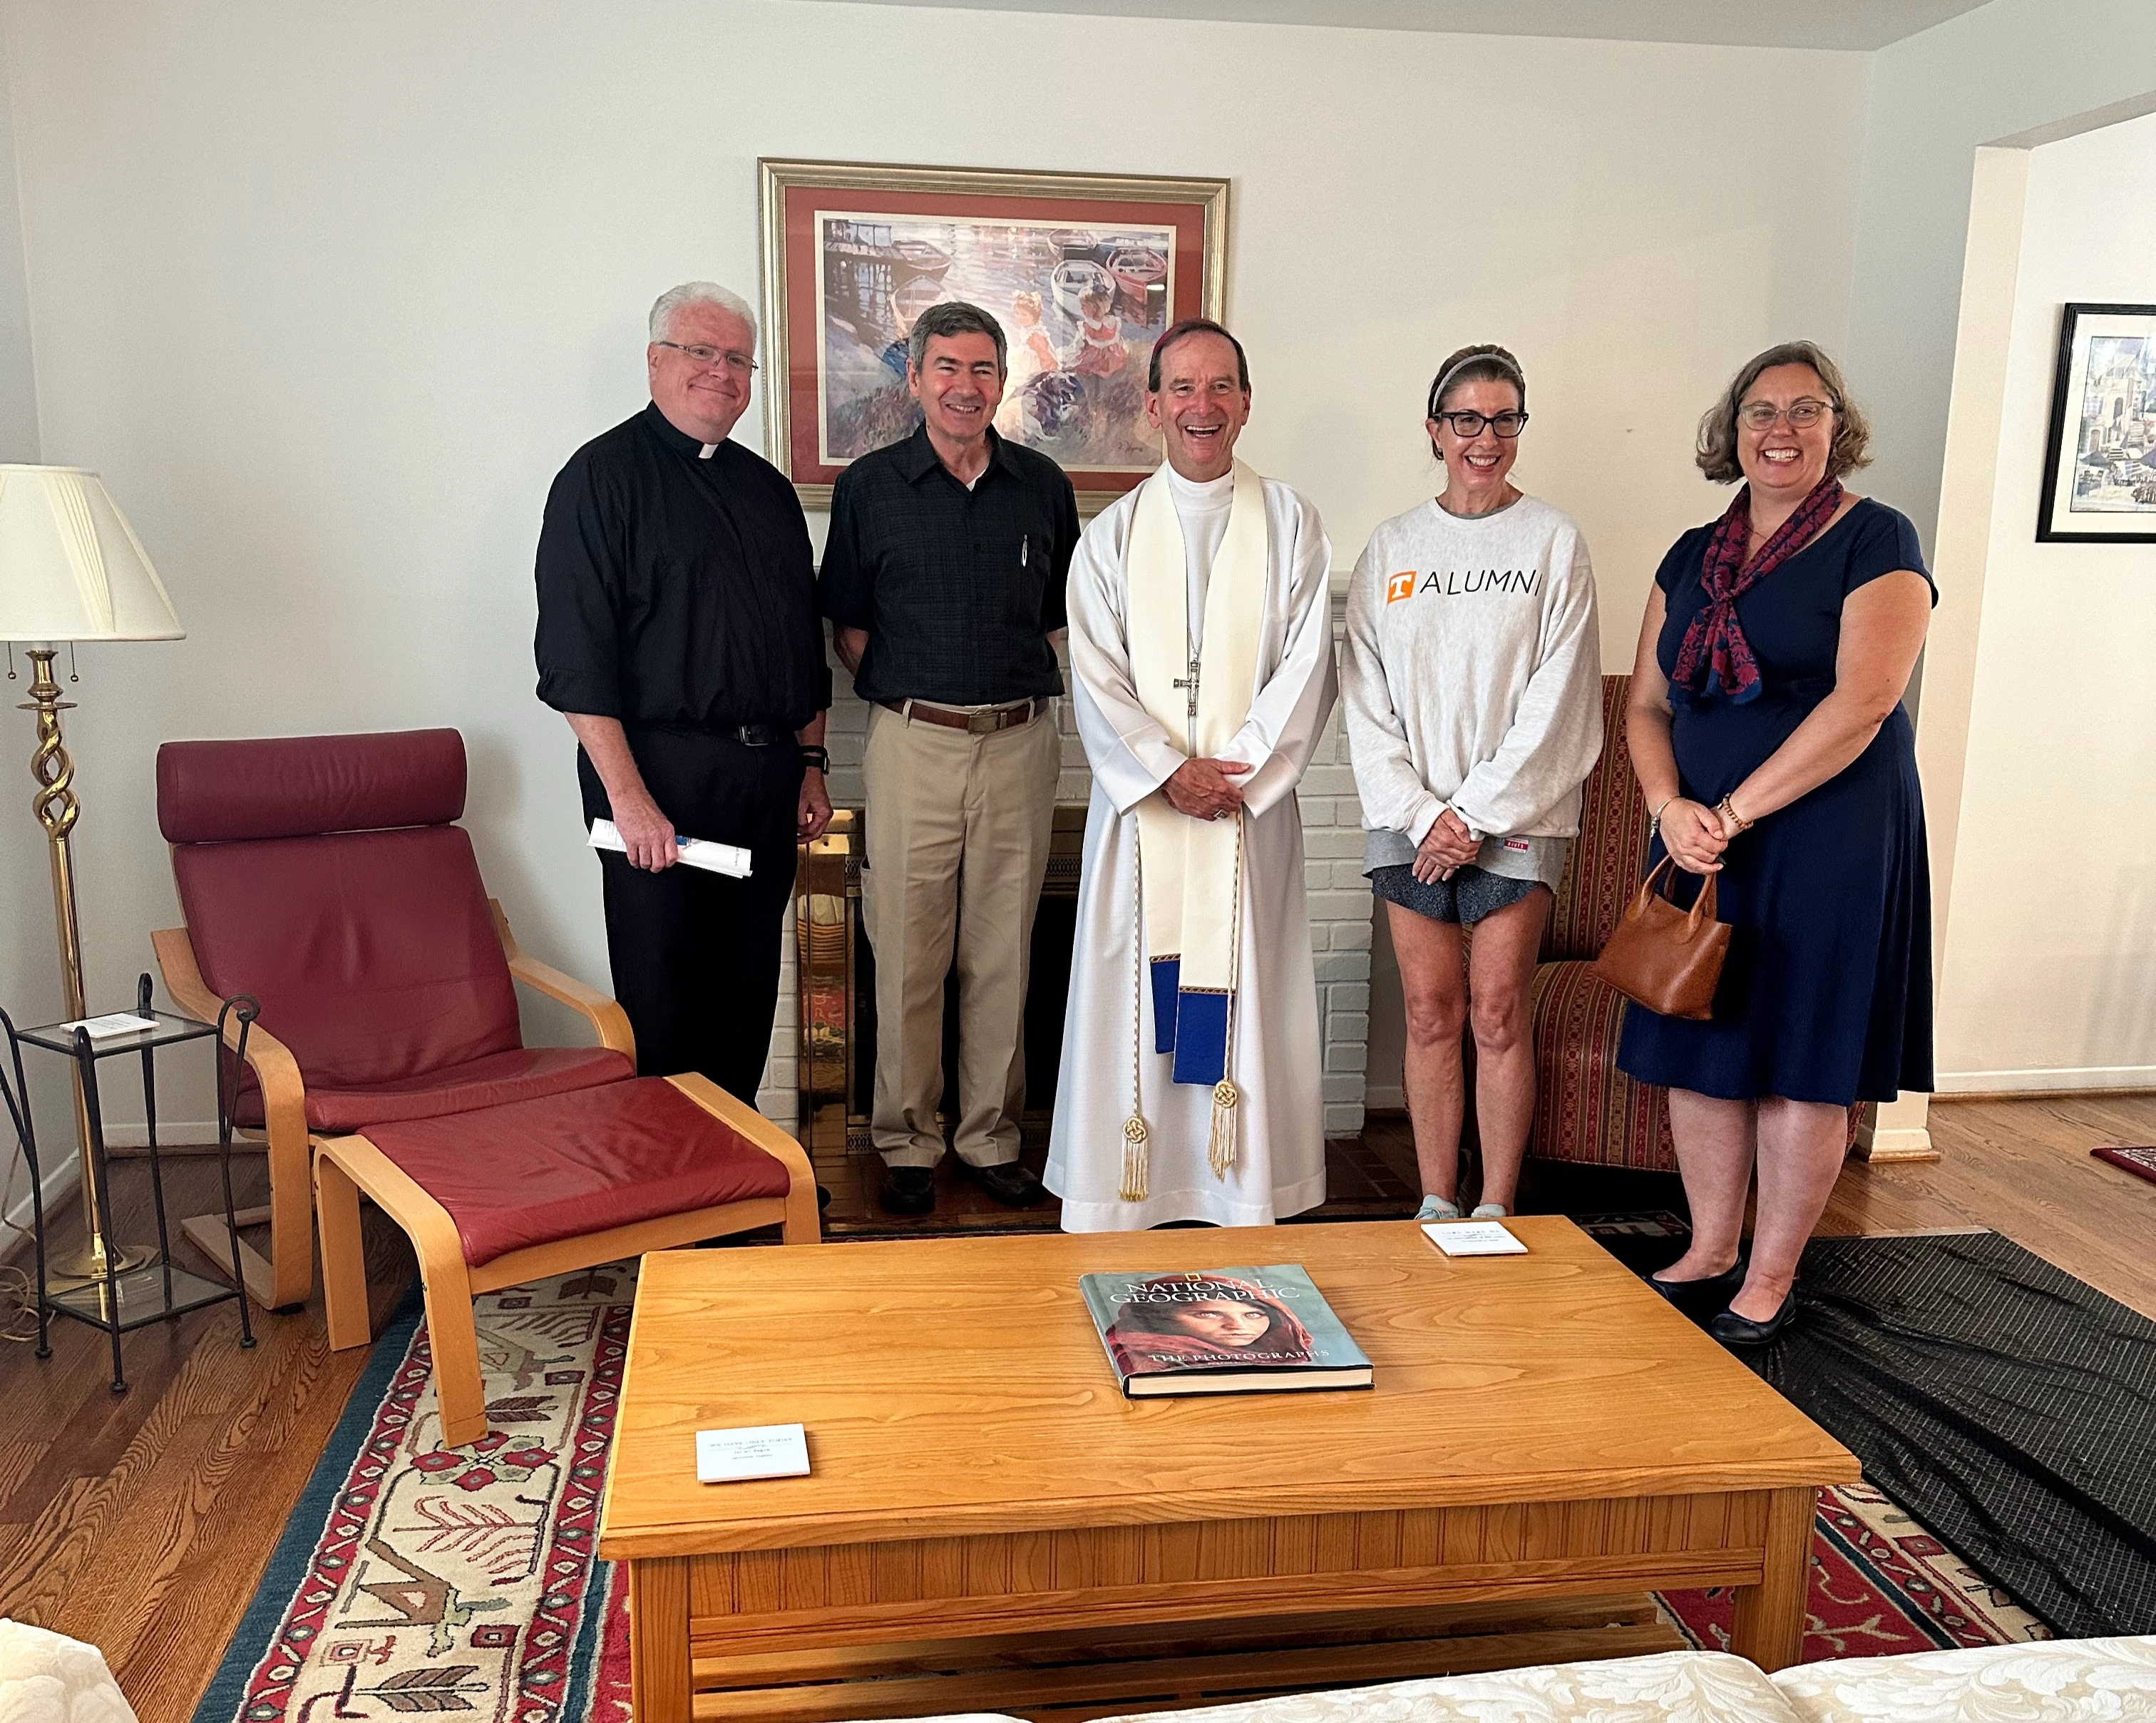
column 1881, row 1585
column 413, row 1578
column 2140, row 1161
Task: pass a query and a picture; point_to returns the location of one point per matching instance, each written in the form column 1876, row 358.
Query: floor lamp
column 71, row 569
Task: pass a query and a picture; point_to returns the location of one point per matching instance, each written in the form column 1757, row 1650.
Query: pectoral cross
column 1191, row 684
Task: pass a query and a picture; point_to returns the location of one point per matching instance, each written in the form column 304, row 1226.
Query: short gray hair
column 663, row 308
column 953, row 317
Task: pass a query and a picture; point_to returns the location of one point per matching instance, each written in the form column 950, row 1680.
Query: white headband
column 1512, row 371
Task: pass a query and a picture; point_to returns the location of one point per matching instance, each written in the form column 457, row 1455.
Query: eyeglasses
column 740, row 364
column 1470, row 424
column 1760, row 415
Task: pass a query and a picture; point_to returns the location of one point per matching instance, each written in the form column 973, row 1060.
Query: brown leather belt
column 985, row 723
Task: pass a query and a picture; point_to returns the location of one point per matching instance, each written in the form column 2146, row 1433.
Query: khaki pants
column 957, row 831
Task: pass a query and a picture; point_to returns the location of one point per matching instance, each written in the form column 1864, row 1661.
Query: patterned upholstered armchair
column 1586, row 1109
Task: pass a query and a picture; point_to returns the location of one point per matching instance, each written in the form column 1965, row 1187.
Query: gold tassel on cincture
column 1134, row 1160
column 1220, row 1146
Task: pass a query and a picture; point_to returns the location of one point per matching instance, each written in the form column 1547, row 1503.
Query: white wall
column 2050, row 972
column 330, row 293
column 29, row 954
column 2005, row 68
column 18, row 390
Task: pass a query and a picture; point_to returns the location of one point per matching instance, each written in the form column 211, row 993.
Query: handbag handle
column 1703, row 908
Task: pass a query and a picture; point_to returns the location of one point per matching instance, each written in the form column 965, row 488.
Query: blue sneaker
column 1436, row 1208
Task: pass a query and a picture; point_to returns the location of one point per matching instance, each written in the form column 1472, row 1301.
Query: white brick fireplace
column 1339, row 897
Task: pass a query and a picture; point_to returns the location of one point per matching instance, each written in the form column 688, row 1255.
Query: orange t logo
column 1400, row 586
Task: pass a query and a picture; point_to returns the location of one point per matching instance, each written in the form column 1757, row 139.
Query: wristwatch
column 819, row 758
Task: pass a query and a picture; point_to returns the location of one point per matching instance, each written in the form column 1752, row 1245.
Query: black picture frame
column 2072, row 391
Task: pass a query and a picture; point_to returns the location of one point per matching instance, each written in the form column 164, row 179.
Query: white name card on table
column 112, row 1024
column 696, row 851
column 765, row 1451
column 1474, row 1238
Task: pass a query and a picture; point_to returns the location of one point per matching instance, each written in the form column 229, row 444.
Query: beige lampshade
column 71, row 568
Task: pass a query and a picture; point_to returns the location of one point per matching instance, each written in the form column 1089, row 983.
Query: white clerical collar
column 707, row 451
column 1201, row 493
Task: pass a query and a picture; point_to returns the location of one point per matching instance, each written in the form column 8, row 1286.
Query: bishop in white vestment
column 1200, row 642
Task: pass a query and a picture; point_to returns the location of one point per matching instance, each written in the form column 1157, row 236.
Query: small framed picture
column 1083, row 271
column 2100, row 457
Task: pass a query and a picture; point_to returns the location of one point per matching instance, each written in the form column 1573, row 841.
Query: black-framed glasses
column 740, row 364
column 1805, row 411
column 1465, row 424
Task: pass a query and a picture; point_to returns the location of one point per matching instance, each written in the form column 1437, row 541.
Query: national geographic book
column 1221, row 1331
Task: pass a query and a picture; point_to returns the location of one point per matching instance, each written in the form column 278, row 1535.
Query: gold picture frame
column 1081, row 267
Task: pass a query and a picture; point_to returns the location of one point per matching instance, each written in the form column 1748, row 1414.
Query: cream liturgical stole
column 1189, row 896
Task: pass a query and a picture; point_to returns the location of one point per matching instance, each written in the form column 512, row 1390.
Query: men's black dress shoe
column 909, row 1190
column 1734, row 1331
column 1715, row 1288
column 1007, row 1181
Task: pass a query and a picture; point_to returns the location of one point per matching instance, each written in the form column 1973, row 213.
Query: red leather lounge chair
column 323, row 876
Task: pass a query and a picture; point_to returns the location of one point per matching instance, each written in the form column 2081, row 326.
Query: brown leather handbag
column 1664, row 958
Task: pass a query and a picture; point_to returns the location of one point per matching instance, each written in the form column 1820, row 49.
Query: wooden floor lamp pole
column 56, row 807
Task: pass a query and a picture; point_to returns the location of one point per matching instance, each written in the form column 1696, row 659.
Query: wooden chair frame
column 346, row 1166
column 287, row 1274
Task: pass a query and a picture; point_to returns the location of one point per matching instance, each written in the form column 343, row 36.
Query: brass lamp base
column 84, row 1265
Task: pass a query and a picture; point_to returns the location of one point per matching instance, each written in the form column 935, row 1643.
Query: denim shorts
column 1465, row 898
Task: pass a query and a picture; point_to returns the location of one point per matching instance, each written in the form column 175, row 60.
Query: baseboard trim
column 1904, row 1145
column 2047, row 1081
column 60, row 1182
column 172, row 1133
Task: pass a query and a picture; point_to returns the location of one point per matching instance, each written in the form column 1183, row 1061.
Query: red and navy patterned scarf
column 1715, row 658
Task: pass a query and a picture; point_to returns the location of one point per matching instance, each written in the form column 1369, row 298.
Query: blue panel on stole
column 1193, row 1027
column 1201, row 1038
column 1167, row 978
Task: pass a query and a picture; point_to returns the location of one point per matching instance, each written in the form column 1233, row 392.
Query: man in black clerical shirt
column 943, row 578
column 678, row 633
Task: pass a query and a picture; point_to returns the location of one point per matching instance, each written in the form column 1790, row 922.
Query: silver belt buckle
column 987, row 723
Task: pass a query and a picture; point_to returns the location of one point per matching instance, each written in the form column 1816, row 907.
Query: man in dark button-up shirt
column 678, row 634
column 943, row 580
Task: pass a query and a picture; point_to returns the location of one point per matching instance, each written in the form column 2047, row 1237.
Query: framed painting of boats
column 1082, row 271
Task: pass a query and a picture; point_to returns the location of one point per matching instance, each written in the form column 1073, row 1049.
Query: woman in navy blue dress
column 1768, row 731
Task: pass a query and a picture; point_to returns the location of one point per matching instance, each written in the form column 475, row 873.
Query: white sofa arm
column 1671, row 1686
column 2042, row 1681
column 48, row 1678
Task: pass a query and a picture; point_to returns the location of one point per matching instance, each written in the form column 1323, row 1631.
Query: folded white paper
column 765, row 1451
column 1473, row 1238
column 113, row 1023
column 696, row 851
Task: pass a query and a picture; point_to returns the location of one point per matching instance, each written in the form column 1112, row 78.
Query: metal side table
column 123, row 1299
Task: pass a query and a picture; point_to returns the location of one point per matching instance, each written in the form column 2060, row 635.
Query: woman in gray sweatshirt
column 1472, row 685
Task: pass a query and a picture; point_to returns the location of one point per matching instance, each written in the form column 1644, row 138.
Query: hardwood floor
column 2022, row 1168
column 142, row 1522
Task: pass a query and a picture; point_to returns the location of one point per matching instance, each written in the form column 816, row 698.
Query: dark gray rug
column 2008, row 1406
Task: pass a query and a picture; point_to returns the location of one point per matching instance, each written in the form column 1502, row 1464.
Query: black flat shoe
column 908, row 1191
column 1714, row 1289
column 1734, row 1331
column 1007, row 1181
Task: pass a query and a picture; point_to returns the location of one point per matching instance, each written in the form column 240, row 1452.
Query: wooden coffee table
column 1543, row 1426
